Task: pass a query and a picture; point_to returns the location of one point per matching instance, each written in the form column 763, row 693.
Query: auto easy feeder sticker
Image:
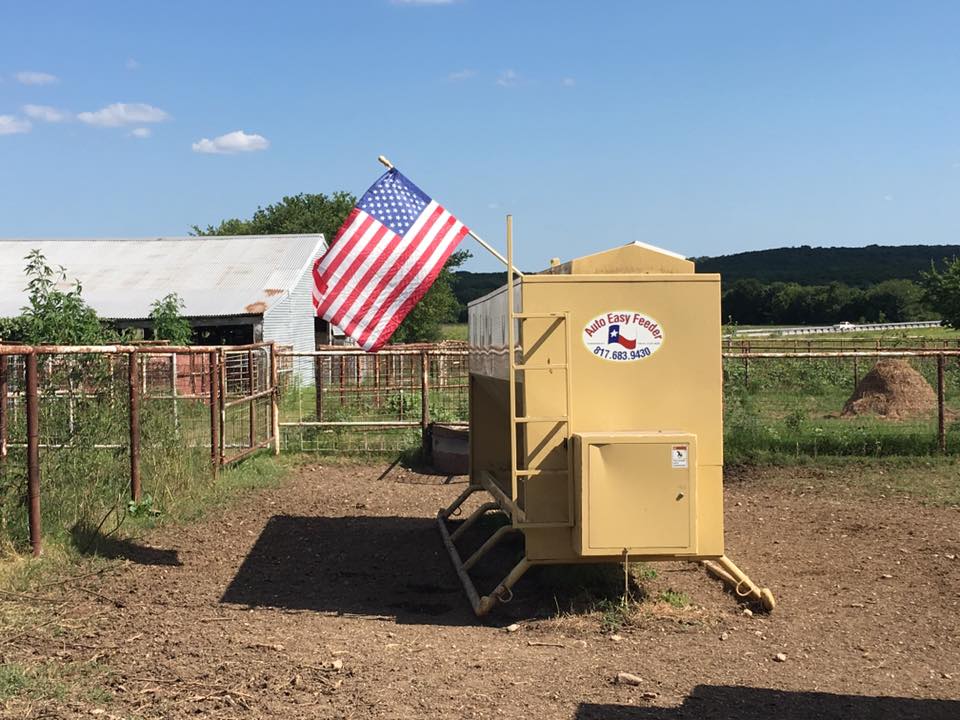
column 623, row 336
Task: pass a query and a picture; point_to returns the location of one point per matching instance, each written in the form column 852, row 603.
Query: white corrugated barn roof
column 122, row 277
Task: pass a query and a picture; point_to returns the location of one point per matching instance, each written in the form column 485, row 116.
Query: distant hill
column 468, row 286
column 857, row 267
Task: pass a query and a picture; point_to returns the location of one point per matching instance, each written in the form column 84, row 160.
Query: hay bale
column 892, row 389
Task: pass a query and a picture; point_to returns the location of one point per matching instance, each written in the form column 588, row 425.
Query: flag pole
column 389, row 165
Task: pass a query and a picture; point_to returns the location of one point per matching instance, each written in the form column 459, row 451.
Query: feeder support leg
column 724, row 569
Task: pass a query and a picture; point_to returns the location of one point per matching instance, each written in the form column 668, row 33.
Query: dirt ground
column 332, row 597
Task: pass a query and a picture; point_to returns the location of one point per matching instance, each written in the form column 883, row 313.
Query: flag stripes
column 372, row 276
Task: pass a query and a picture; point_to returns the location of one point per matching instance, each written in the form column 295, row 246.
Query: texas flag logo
column 614, row 336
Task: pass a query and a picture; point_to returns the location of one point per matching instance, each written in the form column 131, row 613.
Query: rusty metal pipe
column 133, row 376
column 425, row 405
column 3, row 408
column 844, row 354
column 941, row 414
column 118, row 349
column 222, row 384
column 253, row 400
column 248, row 452
column 33, row 453
column 248, row 398
column 214, row 382
column 354, row 423
column 274, row 400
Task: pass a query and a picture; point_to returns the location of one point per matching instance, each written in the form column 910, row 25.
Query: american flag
column 383, row 260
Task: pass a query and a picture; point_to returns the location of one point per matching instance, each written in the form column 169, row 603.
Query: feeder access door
column 635, row 492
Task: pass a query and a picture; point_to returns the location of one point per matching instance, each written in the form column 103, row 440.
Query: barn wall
column 290, row 322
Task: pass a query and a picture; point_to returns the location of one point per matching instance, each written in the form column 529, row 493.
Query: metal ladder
column 518, row 474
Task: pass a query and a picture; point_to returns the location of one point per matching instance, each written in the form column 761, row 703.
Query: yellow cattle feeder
column 601, row 435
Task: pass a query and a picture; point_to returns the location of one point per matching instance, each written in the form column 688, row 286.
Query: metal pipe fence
column 362, row 402
column 778, row 399
column 83, row 424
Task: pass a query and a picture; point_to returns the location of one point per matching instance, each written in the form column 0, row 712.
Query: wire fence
column 87, row 430
column 83, row 429
column 354, row 401
column 874, row 401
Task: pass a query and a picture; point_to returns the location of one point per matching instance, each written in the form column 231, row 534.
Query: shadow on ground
column 743, row 703
column 89, row 540
column 397, row 567
column 392, row 566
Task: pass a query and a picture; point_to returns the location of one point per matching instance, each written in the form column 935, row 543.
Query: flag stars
column 394, row 202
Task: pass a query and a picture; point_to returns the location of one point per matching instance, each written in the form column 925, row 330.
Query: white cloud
column 35, row 78
column 44, row 113
column 132, row 64
column 508, row 78
column 141, row 133
column 11, row 125
column 459, row 75
column 568, row 82
column 235, row 142
column 120, row 114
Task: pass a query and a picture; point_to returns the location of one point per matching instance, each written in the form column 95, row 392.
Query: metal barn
column 236, row 289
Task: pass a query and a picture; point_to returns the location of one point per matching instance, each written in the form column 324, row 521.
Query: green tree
column 54, row 316
column 438, row 306
column 941, row 291
column 897, row 301
column 168, row 321
column 303, row 213
column 320, row 213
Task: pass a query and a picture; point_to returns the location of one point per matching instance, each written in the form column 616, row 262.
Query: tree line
column 860, row 267
column 752, row 302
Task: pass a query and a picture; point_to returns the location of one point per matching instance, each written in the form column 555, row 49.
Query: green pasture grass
column 454, row 331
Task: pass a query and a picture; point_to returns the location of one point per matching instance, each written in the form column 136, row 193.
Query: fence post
column 193, row 374
column 318, row 385
column 252, row 403
column 33, row 453
column 746, row 365
column 222, row 363
column 856, row 373
column 173, row 391
column 3, row 408
column 425, row 403
column 941, row 425
column 133, row 374
column 275, row 399
column 214, row 413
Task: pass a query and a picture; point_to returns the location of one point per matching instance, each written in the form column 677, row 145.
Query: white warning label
column 679, row 455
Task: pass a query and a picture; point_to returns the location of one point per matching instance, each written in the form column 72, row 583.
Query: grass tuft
column 674, row 598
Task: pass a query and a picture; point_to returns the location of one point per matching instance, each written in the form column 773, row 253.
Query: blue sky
column 703, row 127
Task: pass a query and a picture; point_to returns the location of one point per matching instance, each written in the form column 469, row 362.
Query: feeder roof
column 634, row 258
